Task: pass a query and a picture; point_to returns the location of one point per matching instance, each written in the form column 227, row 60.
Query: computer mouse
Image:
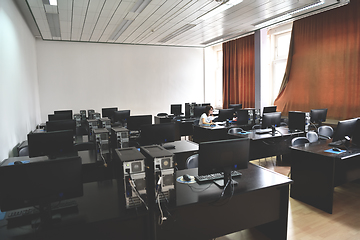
column 336, row 149
column 17, row 162
column 243, row 131
column 213, row 125
column 186, row 177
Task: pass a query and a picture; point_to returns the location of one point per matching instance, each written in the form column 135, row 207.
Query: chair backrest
column 192, row 161
column 235, row 130
column 312, row 136
column 162, row 114
column 299, row 141
column 326, row 131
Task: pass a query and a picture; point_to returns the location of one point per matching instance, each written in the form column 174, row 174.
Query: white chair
column 325, row 132
column 192, row 161
column 312, row 136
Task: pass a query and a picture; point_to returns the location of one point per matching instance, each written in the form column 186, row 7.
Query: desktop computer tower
column 90, row 112
column 77, row 118
column 254, row 115
column 131, row 169
column 92, row 124
column 102, row 148
column 105, row 123
column 95, row 116
column 159, row 172
column 189, row 109
column 257, row 116
column 83, row 115
column 119, row 137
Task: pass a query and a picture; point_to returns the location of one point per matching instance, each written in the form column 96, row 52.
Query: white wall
column 144, row 79
column 19, row 103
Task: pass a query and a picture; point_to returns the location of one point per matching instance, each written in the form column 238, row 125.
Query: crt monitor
column 226, row 114
column 223, row 156
column 108, row 112
column 269, row 109
column 121, row 116
column 271, row 119
column 176, row 109
column 40, row 183
column 52, row 126
column 51, row 144
column 134, row 123
column 345, row 128
column 242, row 117
column 68, row 113
column 296, row 121
column 318, row 115
column 160, row 133
column 235, row 106
column 198, row 111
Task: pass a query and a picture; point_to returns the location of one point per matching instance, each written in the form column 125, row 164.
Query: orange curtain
column 239, row 72
column 324, row 64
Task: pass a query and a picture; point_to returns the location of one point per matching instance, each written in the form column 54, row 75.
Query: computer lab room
column 164, row 119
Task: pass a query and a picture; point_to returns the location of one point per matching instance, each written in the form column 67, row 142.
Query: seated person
column 206, row 117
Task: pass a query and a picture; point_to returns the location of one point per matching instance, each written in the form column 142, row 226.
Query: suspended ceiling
column 159, row 22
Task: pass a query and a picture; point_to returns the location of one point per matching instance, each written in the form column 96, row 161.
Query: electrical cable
column 101, row 154
column 133, row 186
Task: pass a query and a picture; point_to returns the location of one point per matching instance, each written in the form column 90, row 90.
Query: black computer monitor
column 271, row 119
column 52, row 126
column 134, row 123
column 68, row 113
column 198, row 110
column 205, row 104
column 296, row 121
column 356, row 135
column 242, row 117
column 176, row 109
column 52, row 144
column 226, row 114
column 269, row 109
column 40, row 183
column 318, row 115
column 108, row 112
column 160, row 133
column 57, row 117
column 223, row 156
column 121, row 116
column 235, row 106
column 345, row 128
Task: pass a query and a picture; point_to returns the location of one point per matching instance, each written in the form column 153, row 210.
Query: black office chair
column 24, row 151
column 299, row 141
column 192, row 161
column 162, row 114
column 325, row 132
column 235, row 130
column 312, row 136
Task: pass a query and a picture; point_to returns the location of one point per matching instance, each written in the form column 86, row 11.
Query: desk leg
column 313, row 177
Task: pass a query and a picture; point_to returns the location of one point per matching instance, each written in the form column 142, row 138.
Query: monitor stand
column 227, row 176
column 220, row 183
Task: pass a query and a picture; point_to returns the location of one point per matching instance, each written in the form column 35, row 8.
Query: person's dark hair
column 207, row 110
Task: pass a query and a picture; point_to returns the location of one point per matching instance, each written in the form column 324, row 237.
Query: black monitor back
column 296, row 121
column 134, row 123
column 52, row 126
column 58, row 117
column 108, row 112
column 35, row 183
column 271, row 119
column 236, row 106
column 176, row 109
column 68, row 113
column 318, row 115
column 121, row 116
column 226, row 114
column 242, row 117
column 198, row 110
column 345, row 128
column 160, row 133
column 356, row 135
column 269, row 109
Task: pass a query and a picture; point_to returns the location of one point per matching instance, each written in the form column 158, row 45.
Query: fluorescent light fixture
column 53, row 2
column 177, row 32
column 54, row 24
column 140, row 5
column 222, row 7
column 120, row 29
column 286, row 16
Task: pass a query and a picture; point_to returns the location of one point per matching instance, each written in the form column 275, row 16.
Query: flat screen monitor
column 242, row 116
column 198, row 110
column 269, row 109
column 52, row 144
column 176, row 109
column 52, row 126
column 57, row 117
column 223, row 156
column 205, row 104
column 235, row 106
column 226, row 114
column 296, row 121
column 356, row 135
column 40, row 183
column 160, row 133
column 318, row 115
column 271, row 119
column 345, row 128
column 68, row 113
column 121, row 116
column 134, row 123
column 108, row 112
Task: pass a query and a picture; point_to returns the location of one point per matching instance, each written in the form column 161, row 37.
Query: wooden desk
column 260, row 199
column 316, row 173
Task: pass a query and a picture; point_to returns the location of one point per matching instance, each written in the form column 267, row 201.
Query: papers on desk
column 332, row 151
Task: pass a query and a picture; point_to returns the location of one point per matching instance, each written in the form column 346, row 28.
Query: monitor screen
column 269, row 109
column 52, row 144
column 226, row 114
column 345, row 128
column 296, row 121
column 41, row 182
column 318, row 115
column 160, row 133
column 134, row 123
column 242, row 116
column 52, row 126
column 215, row 156
column 271, row 119
column 176, row 109
column 108, row 112
column 198, row 110
column 121, row 116
column 68, row 113
column 235, row 106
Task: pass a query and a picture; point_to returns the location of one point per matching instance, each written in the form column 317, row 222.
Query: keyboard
column 336, row 143
column 215, row 176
